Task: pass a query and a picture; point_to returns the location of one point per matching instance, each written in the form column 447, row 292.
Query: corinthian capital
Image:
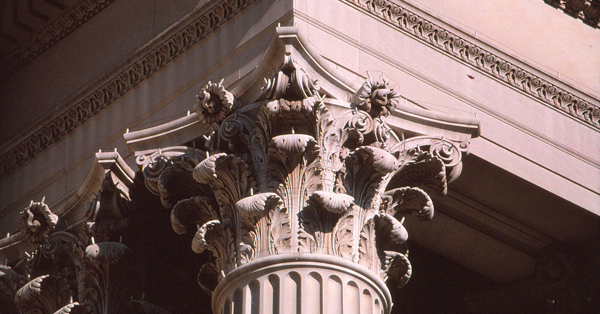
column 290, row 178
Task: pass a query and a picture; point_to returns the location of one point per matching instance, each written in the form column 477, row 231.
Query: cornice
column 550, row 92
column 99, row 99
column 51, row 34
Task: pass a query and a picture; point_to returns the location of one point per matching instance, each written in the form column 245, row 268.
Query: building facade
column 226, row 156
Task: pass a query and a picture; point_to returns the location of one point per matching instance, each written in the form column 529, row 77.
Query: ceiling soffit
column 29, row 28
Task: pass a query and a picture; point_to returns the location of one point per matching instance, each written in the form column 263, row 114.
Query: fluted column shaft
column 301, row 283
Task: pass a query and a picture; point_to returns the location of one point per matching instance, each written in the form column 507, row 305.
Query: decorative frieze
column 487, row 62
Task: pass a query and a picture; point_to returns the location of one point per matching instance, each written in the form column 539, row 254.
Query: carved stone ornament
column 74, row 267
column 376, row 97
column 296, row 191
column 214, row 103
column 38, row 221
column 586, row 10
column 288, row 178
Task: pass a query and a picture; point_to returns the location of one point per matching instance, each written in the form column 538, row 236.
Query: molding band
column 481, row 59
column 118, row 85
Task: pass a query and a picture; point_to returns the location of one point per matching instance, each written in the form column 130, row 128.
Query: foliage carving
column 289, row 174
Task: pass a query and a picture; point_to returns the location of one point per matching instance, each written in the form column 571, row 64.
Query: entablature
column 289, row 43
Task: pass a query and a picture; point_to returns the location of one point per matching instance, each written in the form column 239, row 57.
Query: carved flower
column 214, row 102
column 595, row 115
column 376, row 97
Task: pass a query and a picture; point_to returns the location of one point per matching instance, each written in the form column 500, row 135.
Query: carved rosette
column 291, row 178
column 37, row 221
column 376, row 97
column 214, row 103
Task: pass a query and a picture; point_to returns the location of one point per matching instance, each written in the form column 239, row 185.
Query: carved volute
column 288, row 179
